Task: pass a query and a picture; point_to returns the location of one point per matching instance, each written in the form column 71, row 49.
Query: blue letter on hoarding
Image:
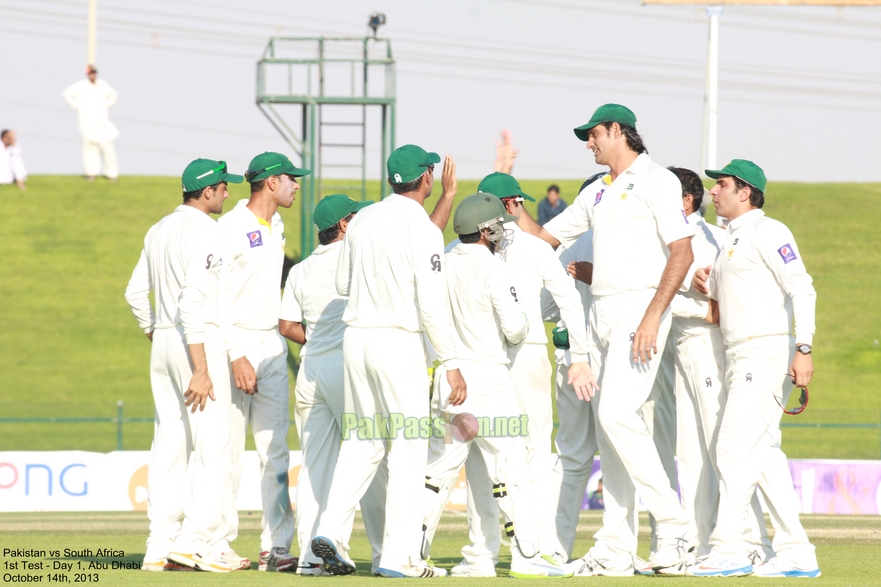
column 61, row 480
column 27, row 477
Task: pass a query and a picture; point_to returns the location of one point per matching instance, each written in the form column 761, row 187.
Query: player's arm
column 344, row 267
column 200, row 387
column 505, row 153
column 137, row 294
column 441, row 214
column 290, row 321
column 69, row 96
column 780, row 252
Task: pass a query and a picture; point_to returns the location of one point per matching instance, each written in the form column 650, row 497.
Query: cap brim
column 714, row 173
column 297, row 172
column 583, row 131
column 361, row 205
column 433, row 158
column 526, row 197
column 233, row 178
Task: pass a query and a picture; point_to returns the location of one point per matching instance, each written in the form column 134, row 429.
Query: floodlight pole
column 711, row 93
column 92, row 33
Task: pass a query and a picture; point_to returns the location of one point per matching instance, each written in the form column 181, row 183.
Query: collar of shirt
column 694, row 218
column 638, row 166
column 399, row 199
column 744, row 219
column 191, row 210
column 268, row 224
column 471, row 249
column 324, row 249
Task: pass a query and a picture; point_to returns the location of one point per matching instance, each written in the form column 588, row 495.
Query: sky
column 799, row 93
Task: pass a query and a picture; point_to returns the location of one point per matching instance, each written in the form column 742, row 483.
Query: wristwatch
column 804, row 349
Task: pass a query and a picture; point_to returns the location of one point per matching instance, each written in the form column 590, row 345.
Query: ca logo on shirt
column 787, row 253
column 435, row 263
column 255, row 239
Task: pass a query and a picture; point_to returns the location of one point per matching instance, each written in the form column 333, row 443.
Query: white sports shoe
column 778, row 567
column 720, row 566
column 203, row 562
column 671, row 552
column 544, row 567
column 312, row 569
column 641, row 567
column 421, row 570
column 466, row 569
column 589, row 566
column 237, row 562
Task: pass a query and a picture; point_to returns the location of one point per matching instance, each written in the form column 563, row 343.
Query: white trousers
column 483, row 514
column 93, row 152
column 189, row 460
column 659, row 413
column 385, row 376
column 492, row 407
column 319, row 406
column 701, row 396
column 630, row 459
column 576, row 447
column 748, row 452
column 268, row 415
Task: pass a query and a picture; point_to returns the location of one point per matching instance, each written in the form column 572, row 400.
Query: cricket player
column 92, row 99
column 761, row 285
column 182, row 265
column 488, row 319
column 253, row 235
column 642, row 252
column 391, row 268
column 312, row 315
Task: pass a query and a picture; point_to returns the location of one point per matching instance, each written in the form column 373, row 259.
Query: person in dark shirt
column 552, row 205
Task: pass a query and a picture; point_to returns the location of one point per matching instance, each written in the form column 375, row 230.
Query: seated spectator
column 11, row 164
column 551, row 206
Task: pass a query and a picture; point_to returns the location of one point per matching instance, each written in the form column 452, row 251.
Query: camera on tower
column 377, row 19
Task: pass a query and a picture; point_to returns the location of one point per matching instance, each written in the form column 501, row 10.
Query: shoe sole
column 333, row 563
column 741, row 572
column 427, row 573
column 791, row 575
column 531, row 576
column 190, row 561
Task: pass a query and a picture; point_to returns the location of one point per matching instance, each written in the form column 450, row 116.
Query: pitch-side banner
column 32, row 481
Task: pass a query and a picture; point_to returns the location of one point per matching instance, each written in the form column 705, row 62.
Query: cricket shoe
column 641, row 567
column 466, row 569
column 538, row 567
column 203, row 562
column 237, row 562
column 424, row 569
column 720, row 566
column 333, row 562
column 590, row 566
column 277, row 560
column 778, row 567
column 679, row 569
column 671, row 552
column 164, row 565
column 312, row 570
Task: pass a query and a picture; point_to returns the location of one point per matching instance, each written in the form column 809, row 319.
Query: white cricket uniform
column 575, row 442
column 390, row 267
column 12, row 165
column 633, row 218
column 487, row 319
column 310, row 297
column 92, row 103
column 254, row 255
column 762, row 286
column 189, row 464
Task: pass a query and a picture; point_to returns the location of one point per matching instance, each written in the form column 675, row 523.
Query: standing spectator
column 11, row 163
column 551, row 206
column 91, row 99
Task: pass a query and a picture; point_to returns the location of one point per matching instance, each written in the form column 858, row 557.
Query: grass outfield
column 69, row 346
column 846, row 547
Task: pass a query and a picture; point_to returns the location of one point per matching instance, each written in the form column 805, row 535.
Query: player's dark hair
column 196, row 194
column 554, row 188
column 256, row 186
column 4, row 133
column 756, row 197
column 634, row 141
column 472, row 238
column 410, row 186
column 691, row 185
column 327, row 236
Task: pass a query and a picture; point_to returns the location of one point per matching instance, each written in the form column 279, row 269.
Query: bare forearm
column 197, row 356
column 681, row 257
column 294, row 331
column 441, row 214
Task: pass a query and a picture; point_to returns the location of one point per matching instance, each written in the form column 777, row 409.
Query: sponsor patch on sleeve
column 684, row 217
column 255, row 238
column 599, row 196
column 787, row 253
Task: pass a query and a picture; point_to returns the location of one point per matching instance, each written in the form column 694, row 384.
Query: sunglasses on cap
column 219, row 169
column 802, row 400
column 517, row 200
column 249, row 175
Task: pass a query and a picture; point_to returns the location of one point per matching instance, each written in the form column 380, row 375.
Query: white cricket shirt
column 254, row 259
column 92, row 103
column 310, row 296
column 390, row 267
column 689, row 307
column 633, row 218
column 761, row 282
column 487, row 316
column 181, row 263
column 534, row 266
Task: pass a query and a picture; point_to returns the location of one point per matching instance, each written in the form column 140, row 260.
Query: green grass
column 70, row 347
column 846, row 547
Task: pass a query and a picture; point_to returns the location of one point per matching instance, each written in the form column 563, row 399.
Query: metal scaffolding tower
column 333, row 81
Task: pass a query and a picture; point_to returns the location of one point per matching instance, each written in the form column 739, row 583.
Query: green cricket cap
column 409, row 162
column 204, row 172
column 742, row 169
column 478, row 211
column 268, row 164
column 607, row 113
column 502, row 185
column 331, row 209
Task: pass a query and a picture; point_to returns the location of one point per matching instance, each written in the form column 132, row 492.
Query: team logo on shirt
column 514, row 294
column 255, row 238
column 599, row 196
column 435, row 263
column 787, row 253
column 630, row 186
